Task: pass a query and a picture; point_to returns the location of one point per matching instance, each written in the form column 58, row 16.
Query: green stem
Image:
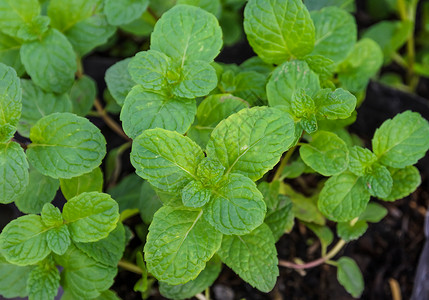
column 207, row 293
column 130, row 267
column 283, row 163
column 334, row 251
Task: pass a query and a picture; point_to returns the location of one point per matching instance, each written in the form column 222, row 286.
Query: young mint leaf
column 166, row 159
column 348, row 5
column 401, row 141
column 84, row 277
column 82, row 95
column 362, row 63
column 51, row 216
column 150, row 69
column 23, row 241
column 287, row 79
column 302, row 105
column 14, row 170
column 7, row 132
column 43, row 282
column 253, row 257
column 361, row 159
column 327, row 154
column 107, row 251
column 210, row 171
column 210, row 112
column 197, row 78
column 82, row 22
column 405, row 181
column 35, row 29
column 179, row 235
column 124, row 11
column 51, row 62
column 10, row 96
column 36, row 103
column 279, row 30
column 146, row 110
column 280, row 218
column 237, row 207
column 187, row 290
column 13, row 14
column 336, row 33
column 40, row 190
column 9, row 52
column 73, row 143
column 187, row 33
column 119, row 80
column 251, row 141
column 90, row 216
column 350, row 277
column 378, row 181
column 350, row 231
column 13, row 279
column 333, row 105
column 194, row 194
column 344, row 197
column 373, row 213
column 58, row 239
column 88, row 182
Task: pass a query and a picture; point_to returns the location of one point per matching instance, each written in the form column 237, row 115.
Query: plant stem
column 109, row 121
column 316, row 262
column 283, row 163
column 130, row 267
column 207, row 293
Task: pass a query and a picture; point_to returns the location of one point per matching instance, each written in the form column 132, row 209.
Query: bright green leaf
column 10, row 96
column 124, row 11
column 323, row 233
column 58, row 239
column 119, row 80
column 51, row 216
column 280, row 218
column 212, row 6
column 350, row 232
column 14, row 14
column 9, row 52
column 373, row 213
column 405, row 181
column 350, row 277
column 149, row 69
column 43, row 282
column 91, row 216
column 361, row 159
column 82, row 95
column 13, row 279
column 34, row 29
column 348, row 5
column 179, row 244
column 89, row 182
column 65, row 145
column 332, row 105
column 194, row 194
column 378, row 181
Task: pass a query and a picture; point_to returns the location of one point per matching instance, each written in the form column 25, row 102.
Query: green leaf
column 36, row 104
column 166, row 159
column 327, row 154
column 9, row 52
column 14, row 172
column 89, row 182
column 251, row 141
column 124, row 11
column 253, row 257
column 210, row 171
column 82, row 22
column 279, row 30
column 350, row 231
column 40, row 190
column 51, row 216
column 119, row 80
column 210, row 112
column 13, row 279
column 10, row 96
column 187, row 33
column 91, row 216
column 23, row 241
column 150, row 69
column 7, row 132
column 362, row 63
column 197, row 78
column 212, row 6
column 287, row 79
column 320, row 65
column 249, row 85
column 333, row 105
column 350, row 277
column 401, row 141
column 82, row 95
column 84, row 277
column 361, row 159
column 348, row 5
column 323, row 233
column 147, row 110
column 344, row 197
column 43, row 282
column 108, row 295
column 107, row 251
column 65, row 146
column 194, row 194
column 378, row 181
column 374, row 213
column 187, row 290
column 270, row 192
column 34, row 29
column 336, row 33
column 58, row 239
column 179, row 244
column 14, row 14
column 405, row 181
column 237, row 207
column 280, row 218
column 51, row 62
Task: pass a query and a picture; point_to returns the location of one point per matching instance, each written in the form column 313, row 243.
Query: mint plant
column 214, row 146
